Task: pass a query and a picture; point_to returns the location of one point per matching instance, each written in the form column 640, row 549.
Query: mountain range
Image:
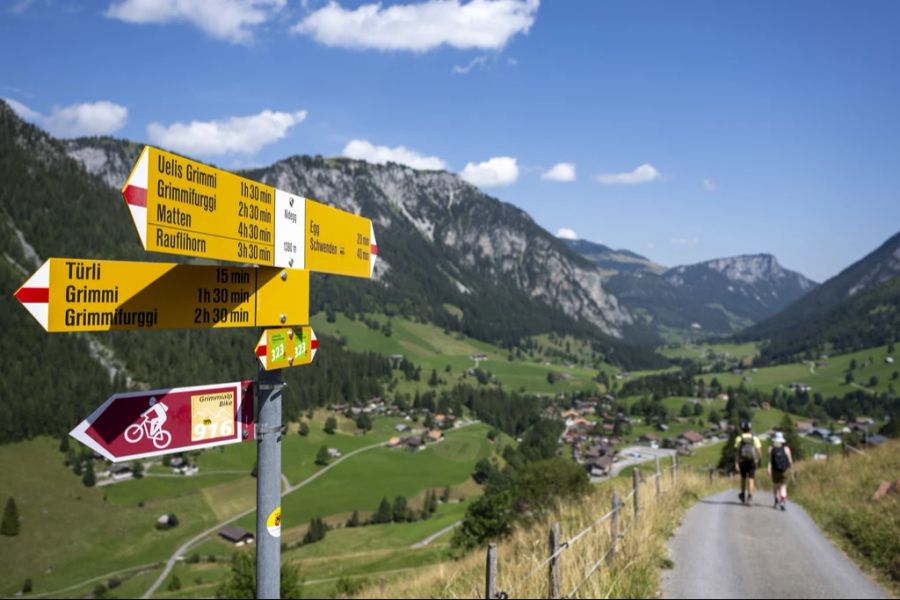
column 455, row 256
column 716, row 297
column 448, row 254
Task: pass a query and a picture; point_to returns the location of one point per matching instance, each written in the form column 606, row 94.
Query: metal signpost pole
column 268, row 484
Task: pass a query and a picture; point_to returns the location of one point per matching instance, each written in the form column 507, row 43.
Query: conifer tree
column 10, row 524
column 322, row 456
column 353, row 521
column 89, row 479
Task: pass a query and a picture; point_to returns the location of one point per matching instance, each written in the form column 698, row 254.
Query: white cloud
column 482, row 24
column 566, row 233
column 642, row 174
column 478, row 61
column 231, row 20
column 363, row 150
column 88, row 118
column 498, row 171
column 709, row 185
column 560, row 172
column 23, row 111
column 687, row 242
column 243, row 135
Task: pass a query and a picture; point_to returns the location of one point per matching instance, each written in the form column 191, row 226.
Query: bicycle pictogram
column 151, row 426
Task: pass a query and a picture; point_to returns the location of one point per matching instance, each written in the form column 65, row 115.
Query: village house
column 334, row 453
column 414, row 443
column 804, row 427
column 800, row 387
column 393, row 442
column 649, row 438
column 236, row 535
column 691, row 438
column 435, row 435
column 599, row 467
column 401, row 427
column 120, row 471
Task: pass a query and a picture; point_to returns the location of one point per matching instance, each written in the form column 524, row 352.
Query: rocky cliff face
column 757, row 278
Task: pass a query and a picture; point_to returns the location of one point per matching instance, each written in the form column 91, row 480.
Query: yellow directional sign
column 286, row 347
column 339, row 242
column 68, row 294
column 181, row 206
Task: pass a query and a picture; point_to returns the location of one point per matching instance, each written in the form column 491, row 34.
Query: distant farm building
column 236, row 535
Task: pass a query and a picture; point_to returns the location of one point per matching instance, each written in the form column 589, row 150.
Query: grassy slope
column 635, row 574
column 80, row 528
column 698, row 352
column 66, row 526
column 827, row 380
column 361, row 484
column 429, row 347
column 837, row 494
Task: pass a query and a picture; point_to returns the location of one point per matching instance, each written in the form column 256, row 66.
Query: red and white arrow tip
column 373, row 251
column 135, row 193
column 35, row 295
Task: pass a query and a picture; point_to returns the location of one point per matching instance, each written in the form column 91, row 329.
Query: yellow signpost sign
column 286, row 347
column 181, row 206
column 68, row 294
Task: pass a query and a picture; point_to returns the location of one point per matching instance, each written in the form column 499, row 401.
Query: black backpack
column 779, row 459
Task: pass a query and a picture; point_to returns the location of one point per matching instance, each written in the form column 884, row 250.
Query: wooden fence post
column 675, row 468
column 658, row 478
column 636, row 485
column 490, row 573
column 553, row 591
column 614, row 526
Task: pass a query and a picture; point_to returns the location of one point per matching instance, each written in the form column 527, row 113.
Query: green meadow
column 827, row 378
column 429, row 347
column 72, row 535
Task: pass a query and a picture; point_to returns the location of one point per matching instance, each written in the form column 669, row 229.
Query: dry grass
column 838, row 495
column 634, row 572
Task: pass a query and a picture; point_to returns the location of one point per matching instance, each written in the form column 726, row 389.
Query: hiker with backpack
column 748, row 452
column 780, row 460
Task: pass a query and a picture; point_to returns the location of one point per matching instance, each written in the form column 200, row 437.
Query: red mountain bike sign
column 136, row 425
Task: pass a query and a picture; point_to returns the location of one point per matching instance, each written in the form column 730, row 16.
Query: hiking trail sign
column 68, row 294
column 181, row 206
column 286, row 347
column 136, row 425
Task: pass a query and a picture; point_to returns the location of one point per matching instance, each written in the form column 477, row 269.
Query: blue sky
column 684, row 131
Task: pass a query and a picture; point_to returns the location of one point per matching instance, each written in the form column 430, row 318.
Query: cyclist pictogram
column 151, row 425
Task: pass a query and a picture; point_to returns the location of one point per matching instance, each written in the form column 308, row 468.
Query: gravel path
column 726, row 550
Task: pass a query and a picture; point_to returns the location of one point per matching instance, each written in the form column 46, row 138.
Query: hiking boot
column 741, row 497
column 750, row 499
column 783, row 505
column 777, row 503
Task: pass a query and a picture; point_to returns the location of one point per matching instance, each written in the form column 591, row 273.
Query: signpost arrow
column 67, row 294
column 286, row 347
column 181, row 206
column 135, row 425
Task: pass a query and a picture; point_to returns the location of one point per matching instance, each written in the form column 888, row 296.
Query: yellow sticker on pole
column 273, row 522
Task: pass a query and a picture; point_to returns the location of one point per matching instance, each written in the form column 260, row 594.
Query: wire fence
column 557, row 550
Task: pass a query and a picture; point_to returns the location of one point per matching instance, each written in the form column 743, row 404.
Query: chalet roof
column 692, row 436
column 235, row 534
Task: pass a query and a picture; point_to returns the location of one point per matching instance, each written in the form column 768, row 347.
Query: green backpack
column 747, row 449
